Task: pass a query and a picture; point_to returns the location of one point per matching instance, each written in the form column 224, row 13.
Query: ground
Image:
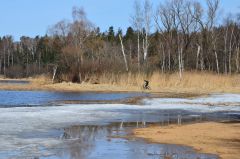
column 222, row 139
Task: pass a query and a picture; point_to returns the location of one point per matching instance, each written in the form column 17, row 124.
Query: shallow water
column 14, row 82
column 105, row 142
column 33, row 98
column 92, row 130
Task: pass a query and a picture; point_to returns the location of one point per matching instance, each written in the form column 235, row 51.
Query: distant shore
column 214, row 138
column 86, row 87
column 191, row 83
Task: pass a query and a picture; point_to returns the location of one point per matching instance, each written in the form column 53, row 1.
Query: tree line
column 177, row 35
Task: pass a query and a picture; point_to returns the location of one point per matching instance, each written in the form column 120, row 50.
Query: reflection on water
column 105, row 142
column 38, row 132
column 33, row 98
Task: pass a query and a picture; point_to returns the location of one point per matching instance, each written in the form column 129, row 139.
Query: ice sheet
column 213, row 99
column 14, row 122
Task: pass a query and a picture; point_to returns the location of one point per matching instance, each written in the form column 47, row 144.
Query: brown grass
column 40, row 79
column 215, row 138
column 192, row 82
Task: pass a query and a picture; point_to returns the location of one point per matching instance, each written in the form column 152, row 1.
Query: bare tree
column 237, row 58
column 137, row 22
column 230, row 51
column 80, row 30
column 164, row 23
column 206, row 25
column 147, row 14
column 7, row 45
column 123, row 52
column 61, row 30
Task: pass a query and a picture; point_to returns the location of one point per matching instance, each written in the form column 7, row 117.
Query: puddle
column 108, row 142
column 105, row 142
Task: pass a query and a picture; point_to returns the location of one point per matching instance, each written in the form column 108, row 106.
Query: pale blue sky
column 33, row 17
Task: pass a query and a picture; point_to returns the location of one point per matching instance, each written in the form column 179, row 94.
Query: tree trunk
column 8, row 57
column 145, row 47
column 163, row 59
column 180, row 62
column 4, row 60
column 197, row 60
column 130, row 53
column 27, row 65
column 123, row 52
column 1, row 66
column 225, row 51
column 39, row 62
column 138, row 37
column 216, row 57
column 169, row 51
column 12, row 59
column 237, row 59
column 230, row 53
column 169, row 59
column 54, row 73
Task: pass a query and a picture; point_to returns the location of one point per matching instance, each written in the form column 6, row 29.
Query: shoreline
column 46, row 85
column 221, row 139
column 193, row 83
column 35, row 85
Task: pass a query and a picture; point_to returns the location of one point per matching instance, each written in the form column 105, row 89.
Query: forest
column 176, row 36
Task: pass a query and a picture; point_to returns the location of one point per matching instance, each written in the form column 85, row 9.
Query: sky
column 34, row 17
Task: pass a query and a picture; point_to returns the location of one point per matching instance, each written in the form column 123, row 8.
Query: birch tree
column 164, row 23
column 80, row 30
column 206, row 24
column 137, row 22
column 123, row 52
column 147, row 14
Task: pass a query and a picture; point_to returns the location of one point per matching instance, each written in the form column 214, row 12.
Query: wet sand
column 222, row 139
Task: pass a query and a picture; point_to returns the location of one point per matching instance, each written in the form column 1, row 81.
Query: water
column 88, row 141
column 10, row 82
column 97, row 130
column 33, row 98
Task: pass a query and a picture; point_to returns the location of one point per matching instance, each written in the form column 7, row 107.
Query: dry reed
column 191, row 81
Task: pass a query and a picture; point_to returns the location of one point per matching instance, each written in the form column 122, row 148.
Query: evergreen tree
column 129, row 34
column 111, row 34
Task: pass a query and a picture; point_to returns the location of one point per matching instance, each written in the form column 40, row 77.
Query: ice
column 213, row 99
column 211, row 103
column 17, row 121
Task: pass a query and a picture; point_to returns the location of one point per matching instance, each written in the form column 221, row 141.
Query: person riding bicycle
column 146, row 84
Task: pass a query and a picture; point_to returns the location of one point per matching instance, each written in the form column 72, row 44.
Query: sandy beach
column 222, row 139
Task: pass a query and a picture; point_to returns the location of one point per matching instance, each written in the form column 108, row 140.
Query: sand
column 215, row 138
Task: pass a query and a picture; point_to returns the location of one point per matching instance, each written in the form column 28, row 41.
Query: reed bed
column 191, row 81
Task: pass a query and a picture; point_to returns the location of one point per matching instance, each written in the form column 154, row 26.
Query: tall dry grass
column 191, row 81
column 40, row 79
